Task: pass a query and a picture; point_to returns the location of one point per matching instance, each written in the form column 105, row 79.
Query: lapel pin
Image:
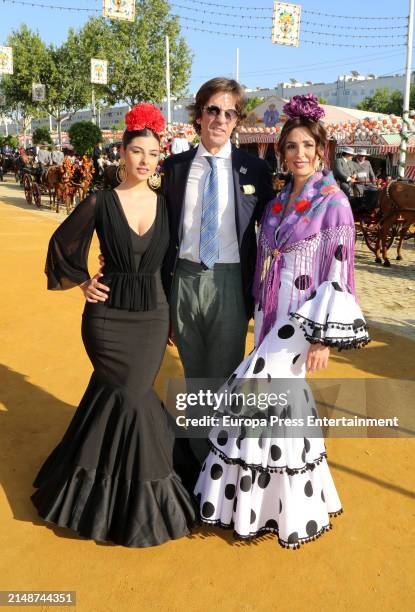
column 243, row 170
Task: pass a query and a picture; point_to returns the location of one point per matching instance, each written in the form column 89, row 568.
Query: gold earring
column 320, row 165
column 154, row 181
column 121, row 173
column 284, row 167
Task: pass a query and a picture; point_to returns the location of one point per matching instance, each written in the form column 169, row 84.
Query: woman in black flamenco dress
column 111, row 477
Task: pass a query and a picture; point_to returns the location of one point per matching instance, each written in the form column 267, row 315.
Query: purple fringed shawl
column 321, row 213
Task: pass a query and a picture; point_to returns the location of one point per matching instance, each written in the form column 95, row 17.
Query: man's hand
column 317, row 358
column 93, row 290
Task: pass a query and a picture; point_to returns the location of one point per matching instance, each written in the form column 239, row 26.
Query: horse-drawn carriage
column 66, row 184
column 9, row 163
column 383, row 215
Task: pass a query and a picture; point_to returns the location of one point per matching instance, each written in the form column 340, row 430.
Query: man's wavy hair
column 208, row 89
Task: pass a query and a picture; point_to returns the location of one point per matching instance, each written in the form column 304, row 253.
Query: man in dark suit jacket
column 211, row 302
column 343, row 170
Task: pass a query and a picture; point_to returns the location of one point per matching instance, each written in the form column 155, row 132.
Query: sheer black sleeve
column 67, row 258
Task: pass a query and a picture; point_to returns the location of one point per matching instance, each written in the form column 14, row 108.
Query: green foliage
column 11, row 140
column 83, row 136
column 387, row 102
column 29, row 58
column 251, row 103
column 68, row 88
column 41, row 134
column 322, row 100
column 137, row 55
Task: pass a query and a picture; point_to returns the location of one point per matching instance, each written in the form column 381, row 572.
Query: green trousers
column 208, row 318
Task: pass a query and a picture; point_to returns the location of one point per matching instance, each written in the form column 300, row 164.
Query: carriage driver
column 366, row 179
column 344, row 169
column 57, row 156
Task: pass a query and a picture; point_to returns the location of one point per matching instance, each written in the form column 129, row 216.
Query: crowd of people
column 190, row 260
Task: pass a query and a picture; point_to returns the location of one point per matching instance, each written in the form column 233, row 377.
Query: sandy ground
column 365, row 561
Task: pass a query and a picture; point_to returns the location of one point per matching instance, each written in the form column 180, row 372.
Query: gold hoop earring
column 284, row 167
column 154, row 181
column 320, row 165
column 121, row 173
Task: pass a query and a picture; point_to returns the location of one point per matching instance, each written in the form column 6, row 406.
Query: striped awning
column 410, row 173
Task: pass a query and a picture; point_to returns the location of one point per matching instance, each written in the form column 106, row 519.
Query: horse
column 64, row 189
column 397, row 206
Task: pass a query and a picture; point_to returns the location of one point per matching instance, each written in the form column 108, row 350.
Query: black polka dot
column 222, row 437
column 275, row 452
column 242, row 435
column 308, row 488
column 280, row 506
column 311, row 528
column 271, row 524
column 358, row 323
column 272, row 411
column 337, row 286
column 317, row 334
column 306, row 395
column 269, row 378
column 296, row 358
column 293, row 538
column 260, row 441
column 253, row 476
column 216, row 471
column 302, row 282
column 235, row 502
column 259, row 366
column 208, row 509
column 340, row 253
column 236, row 404
column 322, row 496
column 312, row 295
column 230, row 491
column 303, row 456
column 238, row 443
column 286, row 331
column 263, row 480
column 307, row 445
column 231, row 378
column 289, row 412
column 245, row 483
column 253, row 517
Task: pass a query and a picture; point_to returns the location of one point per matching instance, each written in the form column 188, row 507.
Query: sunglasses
column 214, row 111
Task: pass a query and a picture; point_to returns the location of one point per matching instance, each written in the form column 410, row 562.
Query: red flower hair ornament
column 145, row 115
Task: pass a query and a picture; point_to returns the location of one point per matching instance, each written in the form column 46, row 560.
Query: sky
column 262, row 64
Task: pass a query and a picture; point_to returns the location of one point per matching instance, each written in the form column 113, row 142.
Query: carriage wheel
column 27, row 185
column 370, row 231
column 37, row 195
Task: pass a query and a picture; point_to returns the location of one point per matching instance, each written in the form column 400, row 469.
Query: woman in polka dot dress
column 271, row 479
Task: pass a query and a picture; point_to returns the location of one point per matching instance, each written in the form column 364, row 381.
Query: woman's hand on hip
column 93, row 290
column 317, row 358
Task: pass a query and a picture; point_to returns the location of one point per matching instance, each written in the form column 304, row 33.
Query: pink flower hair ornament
column 145, row 115
column 304, row 106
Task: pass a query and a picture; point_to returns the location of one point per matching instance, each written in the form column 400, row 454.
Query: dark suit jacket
column 247, row 170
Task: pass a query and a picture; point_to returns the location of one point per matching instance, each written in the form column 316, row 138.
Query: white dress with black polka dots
column 282, row 484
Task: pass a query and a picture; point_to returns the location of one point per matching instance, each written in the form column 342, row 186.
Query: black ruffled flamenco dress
column 111, row 478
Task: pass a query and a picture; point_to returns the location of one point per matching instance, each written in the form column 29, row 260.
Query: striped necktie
column 209, row 237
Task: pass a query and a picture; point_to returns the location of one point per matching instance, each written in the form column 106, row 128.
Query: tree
column 251, row 103
column 386, row 101
column 29, row 60
column 41, row 134
column 322, row 100
column 136, row 54
column 83, row 135
column 67, row 88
